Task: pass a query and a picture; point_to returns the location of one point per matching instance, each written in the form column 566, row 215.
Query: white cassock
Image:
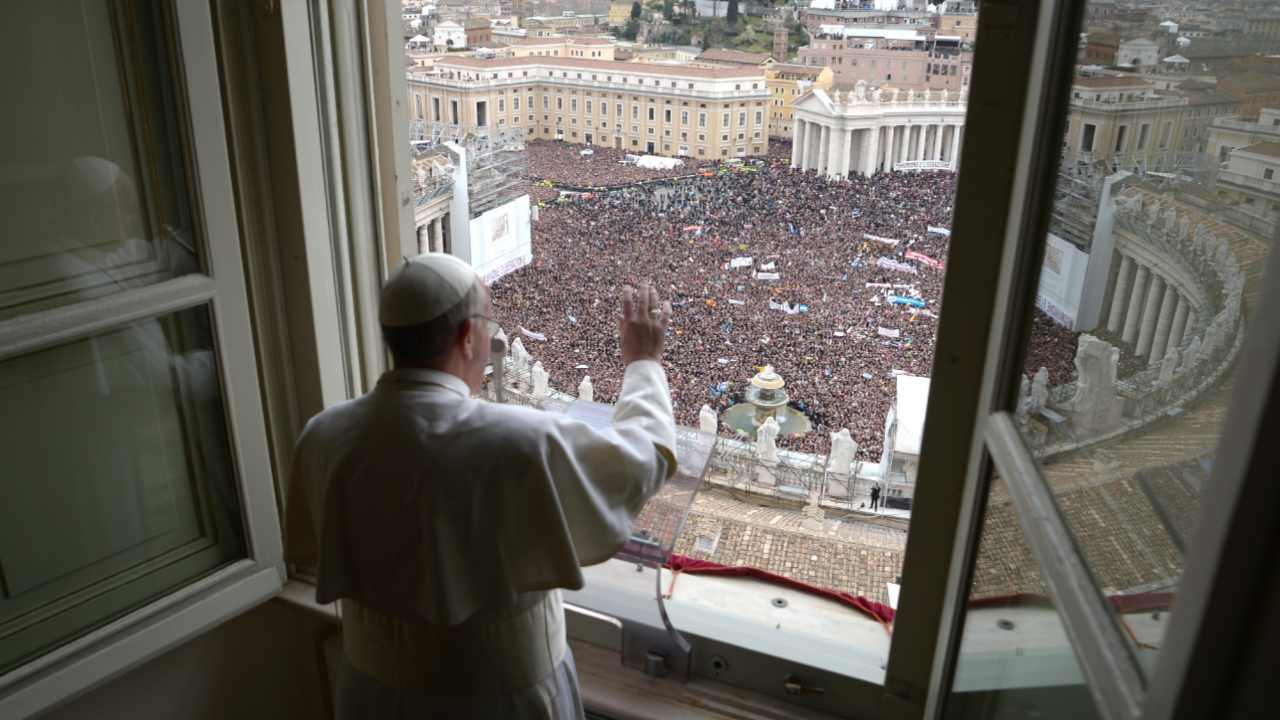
column 446, row 526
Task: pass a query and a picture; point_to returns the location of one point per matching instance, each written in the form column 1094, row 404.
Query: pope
column 446, row 526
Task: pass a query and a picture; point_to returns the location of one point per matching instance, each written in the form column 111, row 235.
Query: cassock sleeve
column 602, row 477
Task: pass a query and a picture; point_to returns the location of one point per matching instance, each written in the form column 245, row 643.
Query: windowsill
column 622, row 693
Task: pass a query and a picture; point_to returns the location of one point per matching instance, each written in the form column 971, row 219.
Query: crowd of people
column 836, row 284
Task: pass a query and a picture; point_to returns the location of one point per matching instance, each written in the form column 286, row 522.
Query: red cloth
column 693, row 566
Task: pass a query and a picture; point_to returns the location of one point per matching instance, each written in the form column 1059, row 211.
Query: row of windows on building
column 603, row 106
column 564, row 74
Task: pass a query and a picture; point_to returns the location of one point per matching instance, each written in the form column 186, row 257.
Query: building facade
column 565, row 47
column 908, row 69
column 1250, row 180
column 787, row 83
column 681, row 111
column 868, row 130
column 963, row 26
column 1229, row 133
column 1122, row 122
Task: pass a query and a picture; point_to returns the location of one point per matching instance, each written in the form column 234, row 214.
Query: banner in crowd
column 899, row 300
column 740, row 262
column 532, row 335
column 768, row 276
column 891, row 264
column 769, row 266
column 921, row 257
column 877, row 238
column 737, row 302
column 887, row 332
column 939, row 230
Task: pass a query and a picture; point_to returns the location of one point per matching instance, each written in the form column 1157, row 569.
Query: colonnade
column 839, row 152
column 431, row 236
column 1148, row 312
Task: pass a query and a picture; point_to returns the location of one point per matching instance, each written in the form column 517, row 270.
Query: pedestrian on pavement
column 875, row 497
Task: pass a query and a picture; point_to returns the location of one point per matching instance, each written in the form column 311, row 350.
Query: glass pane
column 92, row 187
column 1164, row 216
column 790, row 191
column 1015, row 659
column 120, row 482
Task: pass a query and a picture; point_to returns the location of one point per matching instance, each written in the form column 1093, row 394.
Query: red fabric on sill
column 682, row 564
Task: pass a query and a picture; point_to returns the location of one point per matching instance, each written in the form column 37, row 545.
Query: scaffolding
column 497, row 169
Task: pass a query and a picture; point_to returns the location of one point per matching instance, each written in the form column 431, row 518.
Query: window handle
column 793, row 686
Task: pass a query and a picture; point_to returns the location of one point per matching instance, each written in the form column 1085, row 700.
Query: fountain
column 766, row 397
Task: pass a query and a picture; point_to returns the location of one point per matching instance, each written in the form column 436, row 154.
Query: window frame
column 180, row 615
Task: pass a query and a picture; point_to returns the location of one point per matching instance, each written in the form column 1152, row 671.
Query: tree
column 668, row 8
column 630, row 30
column 635, row 10
column 732, row 15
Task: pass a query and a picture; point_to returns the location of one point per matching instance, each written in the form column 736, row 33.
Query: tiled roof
column 1269, row 149
column 1110, row 81
column 622, row 68
column 734, row 56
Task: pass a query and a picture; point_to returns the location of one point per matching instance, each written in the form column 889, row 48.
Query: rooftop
column 627, row 68
column 735, row 56
column 560, row 40
column 1269, row 149
column 1104, row 82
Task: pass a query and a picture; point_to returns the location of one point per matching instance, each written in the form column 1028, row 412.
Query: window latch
column 793, row 686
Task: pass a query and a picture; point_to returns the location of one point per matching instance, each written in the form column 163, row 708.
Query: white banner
column 532, row 335
column 939, row 230
column 877, row 238
column 886, row 332
column 891, row 264
column 740, row 262
column 771, row 265
column 768, row 276
column 923, row 165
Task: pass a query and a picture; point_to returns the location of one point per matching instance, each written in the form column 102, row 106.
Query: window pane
column 1015, row 659
column 120, row 482
column 808, row 234
column 1144, row 295
column 92, row 189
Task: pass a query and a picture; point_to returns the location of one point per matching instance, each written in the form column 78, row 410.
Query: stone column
column 1177, row 332
column 839, row 152
column 937, row 142
column 1192, row 317
column 1161, row 341
column 1134, row 314
column 813, row 141
column 955, row 147
column 1120, row 296
column 1150, row 314
column 423, row 240
column 797, row 140
column 873, row 151
column 889, row 159
column 824, row 150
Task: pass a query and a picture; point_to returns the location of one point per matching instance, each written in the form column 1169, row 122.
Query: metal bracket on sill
column 657, row 651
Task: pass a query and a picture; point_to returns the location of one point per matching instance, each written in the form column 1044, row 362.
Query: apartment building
column 915, row 65
column 787, row 83
column 1124, row 122
column 566, row 47
column 1229, row 133
column 670, row 110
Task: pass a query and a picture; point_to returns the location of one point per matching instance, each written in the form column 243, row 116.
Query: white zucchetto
column 424, row 288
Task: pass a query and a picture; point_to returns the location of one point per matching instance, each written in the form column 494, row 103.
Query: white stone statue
column 843, row 448
column 945, row 96
column 928, row 96
column 586, row 391
column 911, row 96
column 1039, row 390
column 875, row 95
column 707, row 421
column 519, row 356
column 860, row 91
column 893, row 96
column 1169, row 365
column 540, row 381
column 1096, row 405
column 1023, row 408
column 766, row 441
